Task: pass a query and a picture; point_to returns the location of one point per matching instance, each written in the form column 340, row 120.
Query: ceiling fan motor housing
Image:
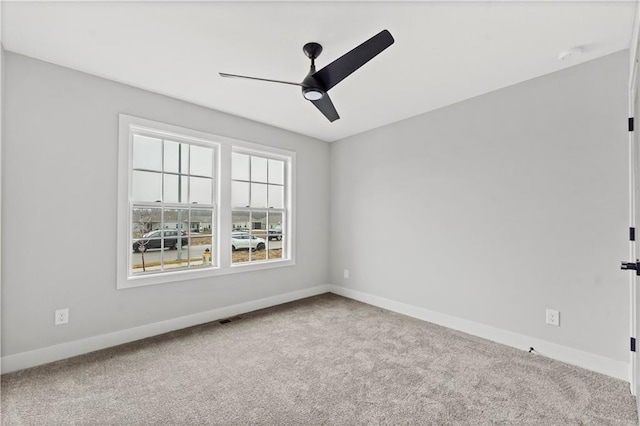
column 311, row 88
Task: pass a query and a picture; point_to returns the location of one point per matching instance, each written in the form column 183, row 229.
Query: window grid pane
column 171, row 239
column 147, row 186
column 152, row 180
column 171, row 235
column 147, row 153
column 257, row 186
column 258, row 169
column 276, row 172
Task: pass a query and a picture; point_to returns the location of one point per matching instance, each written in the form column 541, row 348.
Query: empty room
column 319, row 213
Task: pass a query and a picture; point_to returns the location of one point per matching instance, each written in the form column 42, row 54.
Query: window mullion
column 225, row 221
column 250, row 183
column 162, row 197
column 162, row 239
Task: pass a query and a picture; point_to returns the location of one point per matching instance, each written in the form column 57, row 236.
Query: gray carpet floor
column 324, row 360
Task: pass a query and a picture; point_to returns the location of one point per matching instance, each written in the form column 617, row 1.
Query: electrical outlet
column 553, row 317
column 346, row 274
column 62, row 316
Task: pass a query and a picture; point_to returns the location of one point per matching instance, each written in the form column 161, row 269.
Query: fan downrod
column 312, row 50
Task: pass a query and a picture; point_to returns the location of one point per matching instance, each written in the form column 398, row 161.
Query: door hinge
column 631, row 124
column 633, row 344
column 632, row 234
column 627, row 266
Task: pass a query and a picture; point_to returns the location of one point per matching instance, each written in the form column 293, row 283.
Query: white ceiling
column 444, row 52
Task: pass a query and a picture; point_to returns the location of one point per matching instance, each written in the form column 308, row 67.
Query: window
column 258, row 200
column 193, row 204
column 172, row 203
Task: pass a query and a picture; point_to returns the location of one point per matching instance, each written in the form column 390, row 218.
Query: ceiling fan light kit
column 312, row 94
column 317, row 83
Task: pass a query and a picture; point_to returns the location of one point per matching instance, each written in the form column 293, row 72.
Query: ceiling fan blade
column 342, row 67
column 326, row 107
column 224, row 74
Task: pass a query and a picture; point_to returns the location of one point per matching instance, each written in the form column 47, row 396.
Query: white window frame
column 250, row 210
column 224, row 147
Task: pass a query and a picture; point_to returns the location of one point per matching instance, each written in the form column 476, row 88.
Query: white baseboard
column 78, row 347
column 597, row 363
column 610, row 367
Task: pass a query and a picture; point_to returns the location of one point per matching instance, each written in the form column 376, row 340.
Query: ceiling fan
column 317, row 83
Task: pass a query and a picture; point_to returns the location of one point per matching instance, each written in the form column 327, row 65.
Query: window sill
column 178, row 276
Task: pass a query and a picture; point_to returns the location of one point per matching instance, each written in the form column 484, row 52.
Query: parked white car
column 243, row 240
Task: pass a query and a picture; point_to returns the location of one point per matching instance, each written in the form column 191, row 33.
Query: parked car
column 275, row 234
column 153, row 240
column 242, row 240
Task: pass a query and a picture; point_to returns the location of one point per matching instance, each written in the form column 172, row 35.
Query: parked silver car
column 243, row 240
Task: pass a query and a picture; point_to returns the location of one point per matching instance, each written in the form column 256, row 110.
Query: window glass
column 147, row 186
column 240, row 194
column 176, row 222
column 240, row 241
column 176, row 156
column 258, row 195
column 259, row 223
column 258, row 235
column 201, row 161
column 275, row 238
column 258, row 169
column 145, row 220
column 147, row 153
column 145, row 239
column 239, row 166
column 171, row 190
column 201, row 223
column 276, row 196
column 276, row 171
column 240, row 221
column 200, row 190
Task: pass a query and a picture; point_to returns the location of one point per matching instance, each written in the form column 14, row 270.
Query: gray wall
column 59, row 177
column 497, row 208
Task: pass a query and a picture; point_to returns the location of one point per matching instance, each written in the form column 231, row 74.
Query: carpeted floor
column 325, row 360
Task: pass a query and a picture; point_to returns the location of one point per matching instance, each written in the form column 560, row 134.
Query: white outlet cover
column 553, row 317
column 346, row 273
column 61, row 316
